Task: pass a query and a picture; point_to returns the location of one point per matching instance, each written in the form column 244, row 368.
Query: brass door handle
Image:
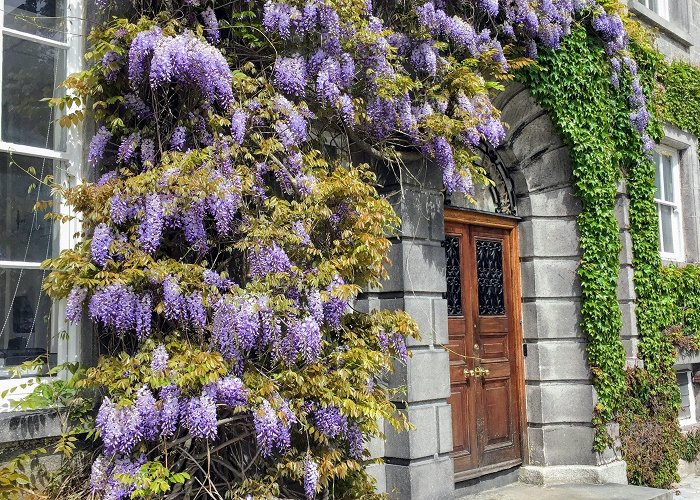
column 469, row 373
column 480, row 372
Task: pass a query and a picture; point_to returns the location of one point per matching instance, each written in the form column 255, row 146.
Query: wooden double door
column 485, row 342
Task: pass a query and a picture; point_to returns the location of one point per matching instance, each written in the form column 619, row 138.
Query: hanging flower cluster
column 231, row 226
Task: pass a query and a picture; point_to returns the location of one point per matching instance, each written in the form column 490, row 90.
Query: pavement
column 522, row 491
column 688, row 488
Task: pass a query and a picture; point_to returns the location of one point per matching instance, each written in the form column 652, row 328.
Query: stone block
column 426, row 375
column 421, row 173
column 534, row 138
column 417, row 443
column 557, row 202
column 554, row 403
column 440, row 321
column 518, row 112
column 424, row 267
column 546, row 237
column 376, row 444
column 625, row 284
column 421, row 310
column 571, row 445
column 379, row 473
column 552, row 319
column 614, row 472
column 629, row 321
column 425, row 480
column 626, row 254
column 535, row 440
column 557, row 360
column 550, row 169
column 550, row 278
column 418, row 210
column 417, row 266
column 444, row 420
column 622, row 211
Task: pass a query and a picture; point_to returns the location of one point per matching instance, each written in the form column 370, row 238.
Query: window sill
column 18, row 426
column 673, row 30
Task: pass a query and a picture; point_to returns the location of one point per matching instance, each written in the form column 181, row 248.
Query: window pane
column 31, row 72
column 25, row 322
column 657, row 180
column 682, row 380
column 669, row 191
column 39, row 17
column 666, row 223
column 24, row 234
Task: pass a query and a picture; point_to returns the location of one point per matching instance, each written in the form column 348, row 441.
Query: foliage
column 574, row 86
column 681, row 99
column 691, row 446
column 229, row 226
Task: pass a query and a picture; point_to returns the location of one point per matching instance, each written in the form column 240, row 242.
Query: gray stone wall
column 679, row 37
column 559, row 393
column 417, row 463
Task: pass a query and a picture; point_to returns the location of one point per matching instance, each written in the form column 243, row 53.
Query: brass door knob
column 469, row 373
column 481, row 372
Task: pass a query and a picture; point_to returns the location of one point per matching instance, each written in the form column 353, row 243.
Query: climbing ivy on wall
column 681, row 99
column 574, row 85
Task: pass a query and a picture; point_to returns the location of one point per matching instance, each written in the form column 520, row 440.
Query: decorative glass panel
column 489, row 277
column 31, row 72
column 454, row 277
column 45, row 18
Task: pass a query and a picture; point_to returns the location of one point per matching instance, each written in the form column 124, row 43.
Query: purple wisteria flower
column 135, row 104
column 424, row 59
column 278, row 18
column 267, row 260
column 191, row 61
column 117, row 306
column 128, row 147
column 102, row 239
column 170, row 412
column 310, row 477
column 271, row 431
column 231, row 391
column 330, row 422
column 356, row 442
column 334, row 307
column 98, row 145
column 200, row 417
column 151, row 226
column 119, row 427
column 148, row 154
column 238, row 126
column 111, row 63
column 148, row 414
column 104, row 476
column 178, row 138
column 74, row 304
column 159, row 359
column 290, row 75
column 211, row 26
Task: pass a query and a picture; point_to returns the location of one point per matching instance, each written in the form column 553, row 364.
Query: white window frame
column 68, row 346
column 678, row 255
column 692, row 419
column 662, row 8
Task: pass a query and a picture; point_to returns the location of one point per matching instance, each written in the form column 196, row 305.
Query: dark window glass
column 489, row 276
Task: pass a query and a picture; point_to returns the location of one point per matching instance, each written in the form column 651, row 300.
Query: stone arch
column 559, row 392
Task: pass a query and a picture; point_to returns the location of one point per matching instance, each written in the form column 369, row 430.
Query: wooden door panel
column 483, row 335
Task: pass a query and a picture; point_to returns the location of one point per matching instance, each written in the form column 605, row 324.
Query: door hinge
column 525, row 350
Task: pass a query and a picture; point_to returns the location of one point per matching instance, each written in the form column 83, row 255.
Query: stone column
column 417, row 462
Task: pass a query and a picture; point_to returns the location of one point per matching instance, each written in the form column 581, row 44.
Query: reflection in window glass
column 666, row 214
column 31, row 72
column 26, row 236
column 657, row 179
column 25, row 318
column 668, row 179
column 45, row 18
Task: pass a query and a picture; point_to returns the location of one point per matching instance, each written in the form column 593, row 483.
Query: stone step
column 522, row 491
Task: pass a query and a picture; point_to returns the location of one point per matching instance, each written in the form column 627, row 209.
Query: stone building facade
column 547, row 436
column 533, row 178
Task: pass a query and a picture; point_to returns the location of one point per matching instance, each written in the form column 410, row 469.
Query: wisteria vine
column 230, row 225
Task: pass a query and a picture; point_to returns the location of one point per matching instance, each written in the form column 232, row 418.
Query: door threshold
column 482, row 471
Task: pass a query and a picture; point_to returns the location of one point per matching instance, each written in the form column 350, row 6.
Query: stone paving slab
column 521, row 491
